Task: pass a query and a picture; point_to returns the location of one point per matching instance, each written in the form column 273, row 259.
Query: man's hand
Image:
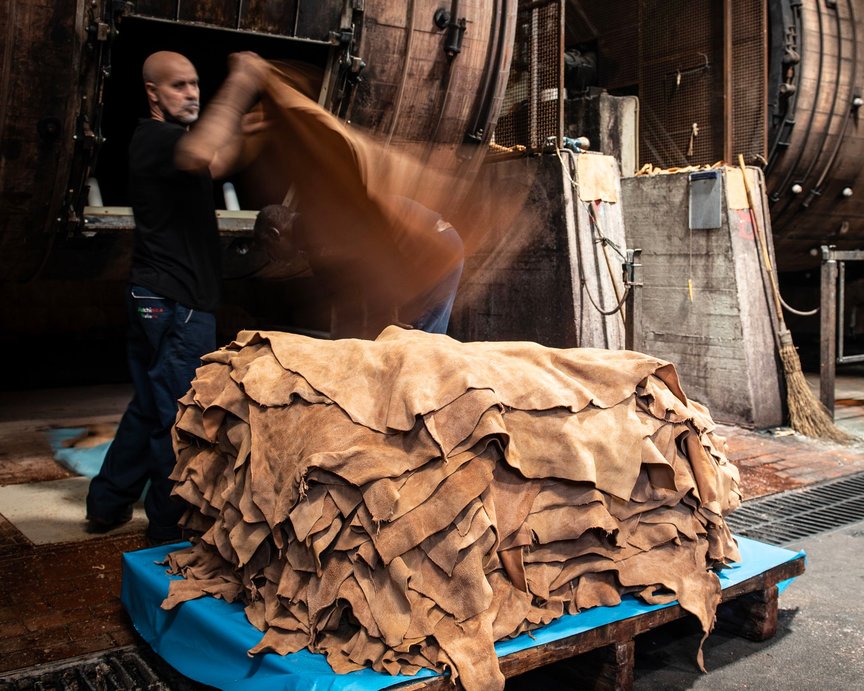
column 248, row 66
column 254, row 122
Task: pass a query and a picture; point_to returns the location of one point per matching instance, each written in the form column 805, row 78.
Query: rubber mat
column 53, row 511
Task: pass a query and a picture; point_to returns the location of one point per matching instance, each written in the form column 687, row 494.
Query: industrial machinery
column 71, row 94
column 776, row 80
column 779, row 82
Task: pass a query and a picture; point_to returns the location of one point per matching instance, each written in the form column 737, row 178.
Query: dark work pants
column 435, row 305
column 165, row 343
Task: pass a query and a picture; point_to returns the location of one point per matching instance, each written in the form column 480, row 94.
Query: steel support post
column 633, row 305
column 828, row 329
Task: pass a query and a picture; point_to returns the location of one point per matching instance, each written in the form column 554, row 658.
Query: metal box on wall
column 705, row 200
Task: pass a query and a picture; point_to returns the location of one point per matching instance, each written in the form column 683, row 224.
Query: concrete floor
column 819, row 642
column 60, row 598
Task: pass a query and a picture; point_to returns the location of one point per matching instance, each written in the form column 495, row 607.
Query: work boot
column 99, row 524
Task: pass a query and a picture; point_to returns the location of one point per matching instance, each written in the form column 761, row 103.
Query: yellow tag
column 690, row 288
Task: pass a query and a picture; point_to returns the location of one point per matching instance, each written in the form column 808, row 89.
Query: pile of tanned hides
column 406, row 502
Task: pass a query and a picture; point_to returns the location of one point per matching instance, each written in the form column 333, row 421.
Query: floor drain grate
column 114, row 670
column 789, row 516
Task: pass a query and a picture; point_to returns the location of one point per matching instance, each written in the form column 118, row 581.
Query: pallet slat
column 748, row 608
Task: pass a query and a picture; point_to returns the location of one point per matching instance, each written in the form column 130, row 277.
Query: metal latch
column 99, row 31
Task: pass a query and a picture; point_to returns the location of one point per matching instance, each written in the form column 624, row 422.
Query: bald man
column 174, row 284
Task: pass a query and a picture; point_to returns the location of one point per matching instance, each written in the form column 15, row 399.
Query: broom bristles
column 807, row 415
column 806, row 412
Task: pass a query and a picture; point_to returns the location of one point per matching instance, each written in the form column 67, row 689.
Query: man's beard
column 183, row 116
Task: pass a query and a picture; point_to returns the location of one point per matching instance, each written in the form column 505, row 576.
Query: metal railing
column 832, row 313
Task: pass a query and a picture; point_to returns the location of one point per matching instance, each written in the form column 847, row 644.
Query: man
column 174, row 285
column 374, row 249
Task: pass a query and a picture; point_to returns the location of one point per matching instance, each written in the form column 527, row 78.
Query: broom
column 806, row 413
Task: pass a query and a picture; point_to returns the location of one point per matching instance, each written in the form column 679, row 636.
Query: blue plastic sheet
column 83, row 461
column 207, row 639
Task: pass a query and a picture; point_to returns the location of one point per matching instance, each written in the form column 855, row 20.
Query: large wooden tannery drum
column 415, row 71
column 815, row 175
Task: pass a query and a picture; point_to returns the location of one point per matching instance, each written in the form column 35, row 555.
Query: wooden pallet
column 749, row 608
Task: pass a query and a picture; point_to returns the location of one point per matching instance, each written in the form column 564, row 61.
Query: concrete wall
column 523, row 276
column 531, row 270
column 611, row 124
column 722, row 341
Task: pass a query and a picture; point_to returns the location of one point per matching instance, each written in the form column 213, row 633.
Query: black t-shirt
column 176, row 250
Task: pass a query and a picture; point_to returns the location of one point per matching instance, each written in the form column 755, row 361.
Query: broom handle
column 763, row 245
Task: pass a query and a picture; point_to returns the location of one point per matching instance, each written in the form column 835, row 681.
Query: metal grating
column 749, row 79
column 121, row 669
column 789, row 516
column 681, row 82
column 690, row 63
column 532, row 110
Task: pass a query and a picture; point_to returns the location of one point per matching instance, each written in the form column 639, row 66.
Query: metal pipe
column 841, row 307
column 448, row 74
column 94, row 193
column 827, row 329
column 455, row 34
column 728, row 119
column 633, row 314
column 532, row 82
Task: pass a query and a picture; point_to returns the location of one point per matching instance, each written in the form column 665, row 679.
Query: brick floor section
column 775, row 461
column 61, row 601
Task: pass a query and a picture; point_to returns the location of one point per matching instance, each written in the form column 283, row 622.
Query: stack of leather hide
column 405, row 502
